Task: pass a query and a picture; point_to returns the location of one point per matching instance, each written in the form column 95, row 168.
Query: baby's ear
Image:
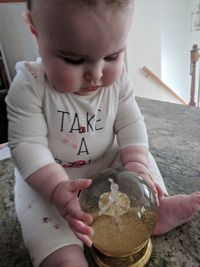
column 29, row 21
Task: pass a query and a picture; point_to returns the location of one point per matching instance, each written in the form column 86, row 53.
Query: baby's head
column 114, row 3
column 81, row 42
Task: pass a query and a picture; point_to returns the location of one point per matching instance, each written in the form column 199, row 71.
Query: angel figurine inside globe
column 124, row 212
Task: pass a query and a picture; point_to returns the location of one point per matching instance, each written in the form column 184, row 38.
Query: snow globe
column 124, row 212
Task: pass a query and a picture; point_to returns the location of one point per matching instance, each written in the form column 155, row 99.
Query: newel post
column 194, row 56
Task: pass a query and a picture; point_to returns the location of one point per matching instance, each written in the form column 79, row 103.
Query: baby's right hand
column 65, row 199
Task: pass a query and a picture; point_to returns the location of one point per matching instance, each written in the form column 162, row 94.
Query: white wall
column 195, row 39
column 161, row 40
column 176, row 46
column 144, row 45
column 15, row 38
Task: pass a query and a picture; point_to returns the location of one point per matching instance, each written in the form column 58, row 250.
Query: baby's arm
column 135, row 158
column 28, row 140
column 53, row 184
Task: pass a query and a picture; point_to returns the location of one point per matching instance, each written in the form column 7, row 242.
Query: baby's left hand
column 156, row 189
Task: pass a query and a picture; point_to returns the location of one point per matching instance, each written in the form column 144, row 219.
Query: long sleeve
column 27, row 125
column 129, row 124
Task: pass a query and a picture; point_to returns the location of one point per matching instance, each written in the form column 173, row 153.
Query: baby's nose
column 94, row 73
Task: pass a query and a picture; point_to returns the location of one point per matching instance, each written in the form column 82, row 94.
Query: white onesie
column 82, row 133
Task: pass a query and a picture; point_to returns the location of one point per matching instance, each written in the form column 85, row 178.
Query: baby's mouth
column 90, row 88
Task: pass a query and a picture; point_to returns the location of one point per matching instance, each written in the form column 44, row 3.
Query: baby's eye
column 112, row 58
column 74, row 61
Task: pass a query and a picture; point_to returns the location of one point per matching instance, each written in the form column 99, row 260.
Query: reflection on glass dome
column 124, row 212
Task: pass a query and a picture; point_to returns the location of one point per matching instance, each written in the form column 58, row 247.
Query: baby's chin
column 81, row 93
column 88, row 91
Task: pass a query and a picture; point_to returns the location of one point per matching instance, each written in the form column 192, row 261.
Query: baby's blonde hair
column 117, row 3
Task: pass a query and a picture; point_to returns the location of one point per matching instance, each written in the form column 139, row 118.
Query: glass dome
column 124, row 211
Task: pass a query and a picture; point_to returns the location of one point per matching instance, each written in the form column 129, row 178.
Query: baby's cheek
column 112, row 74
column 67, row 81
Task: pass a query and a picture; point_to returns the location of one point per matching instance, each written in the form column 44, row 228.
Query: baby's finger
column 160, row 192
column 80, row 227
column 148, row 179
column 85, row 239
column 78, row 184
column 154, row 189
column 73, row 209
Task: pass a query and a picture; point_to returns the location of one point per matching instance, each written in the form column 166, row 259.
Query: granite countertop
column 174, row 138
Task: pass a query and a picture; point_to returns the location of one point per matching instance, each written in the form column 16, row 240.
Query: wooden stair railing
column 162, row 84
column 194, row 57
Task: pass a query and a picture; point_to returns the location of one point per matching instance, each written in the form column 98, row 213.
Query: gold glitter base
column 138, row 259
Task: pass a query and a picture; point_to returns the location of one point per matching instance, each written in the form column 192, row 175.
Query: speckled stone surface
column 174, row 137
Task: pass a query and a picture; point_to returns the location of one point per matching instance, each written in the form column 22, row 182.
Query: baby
column 72, row 113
